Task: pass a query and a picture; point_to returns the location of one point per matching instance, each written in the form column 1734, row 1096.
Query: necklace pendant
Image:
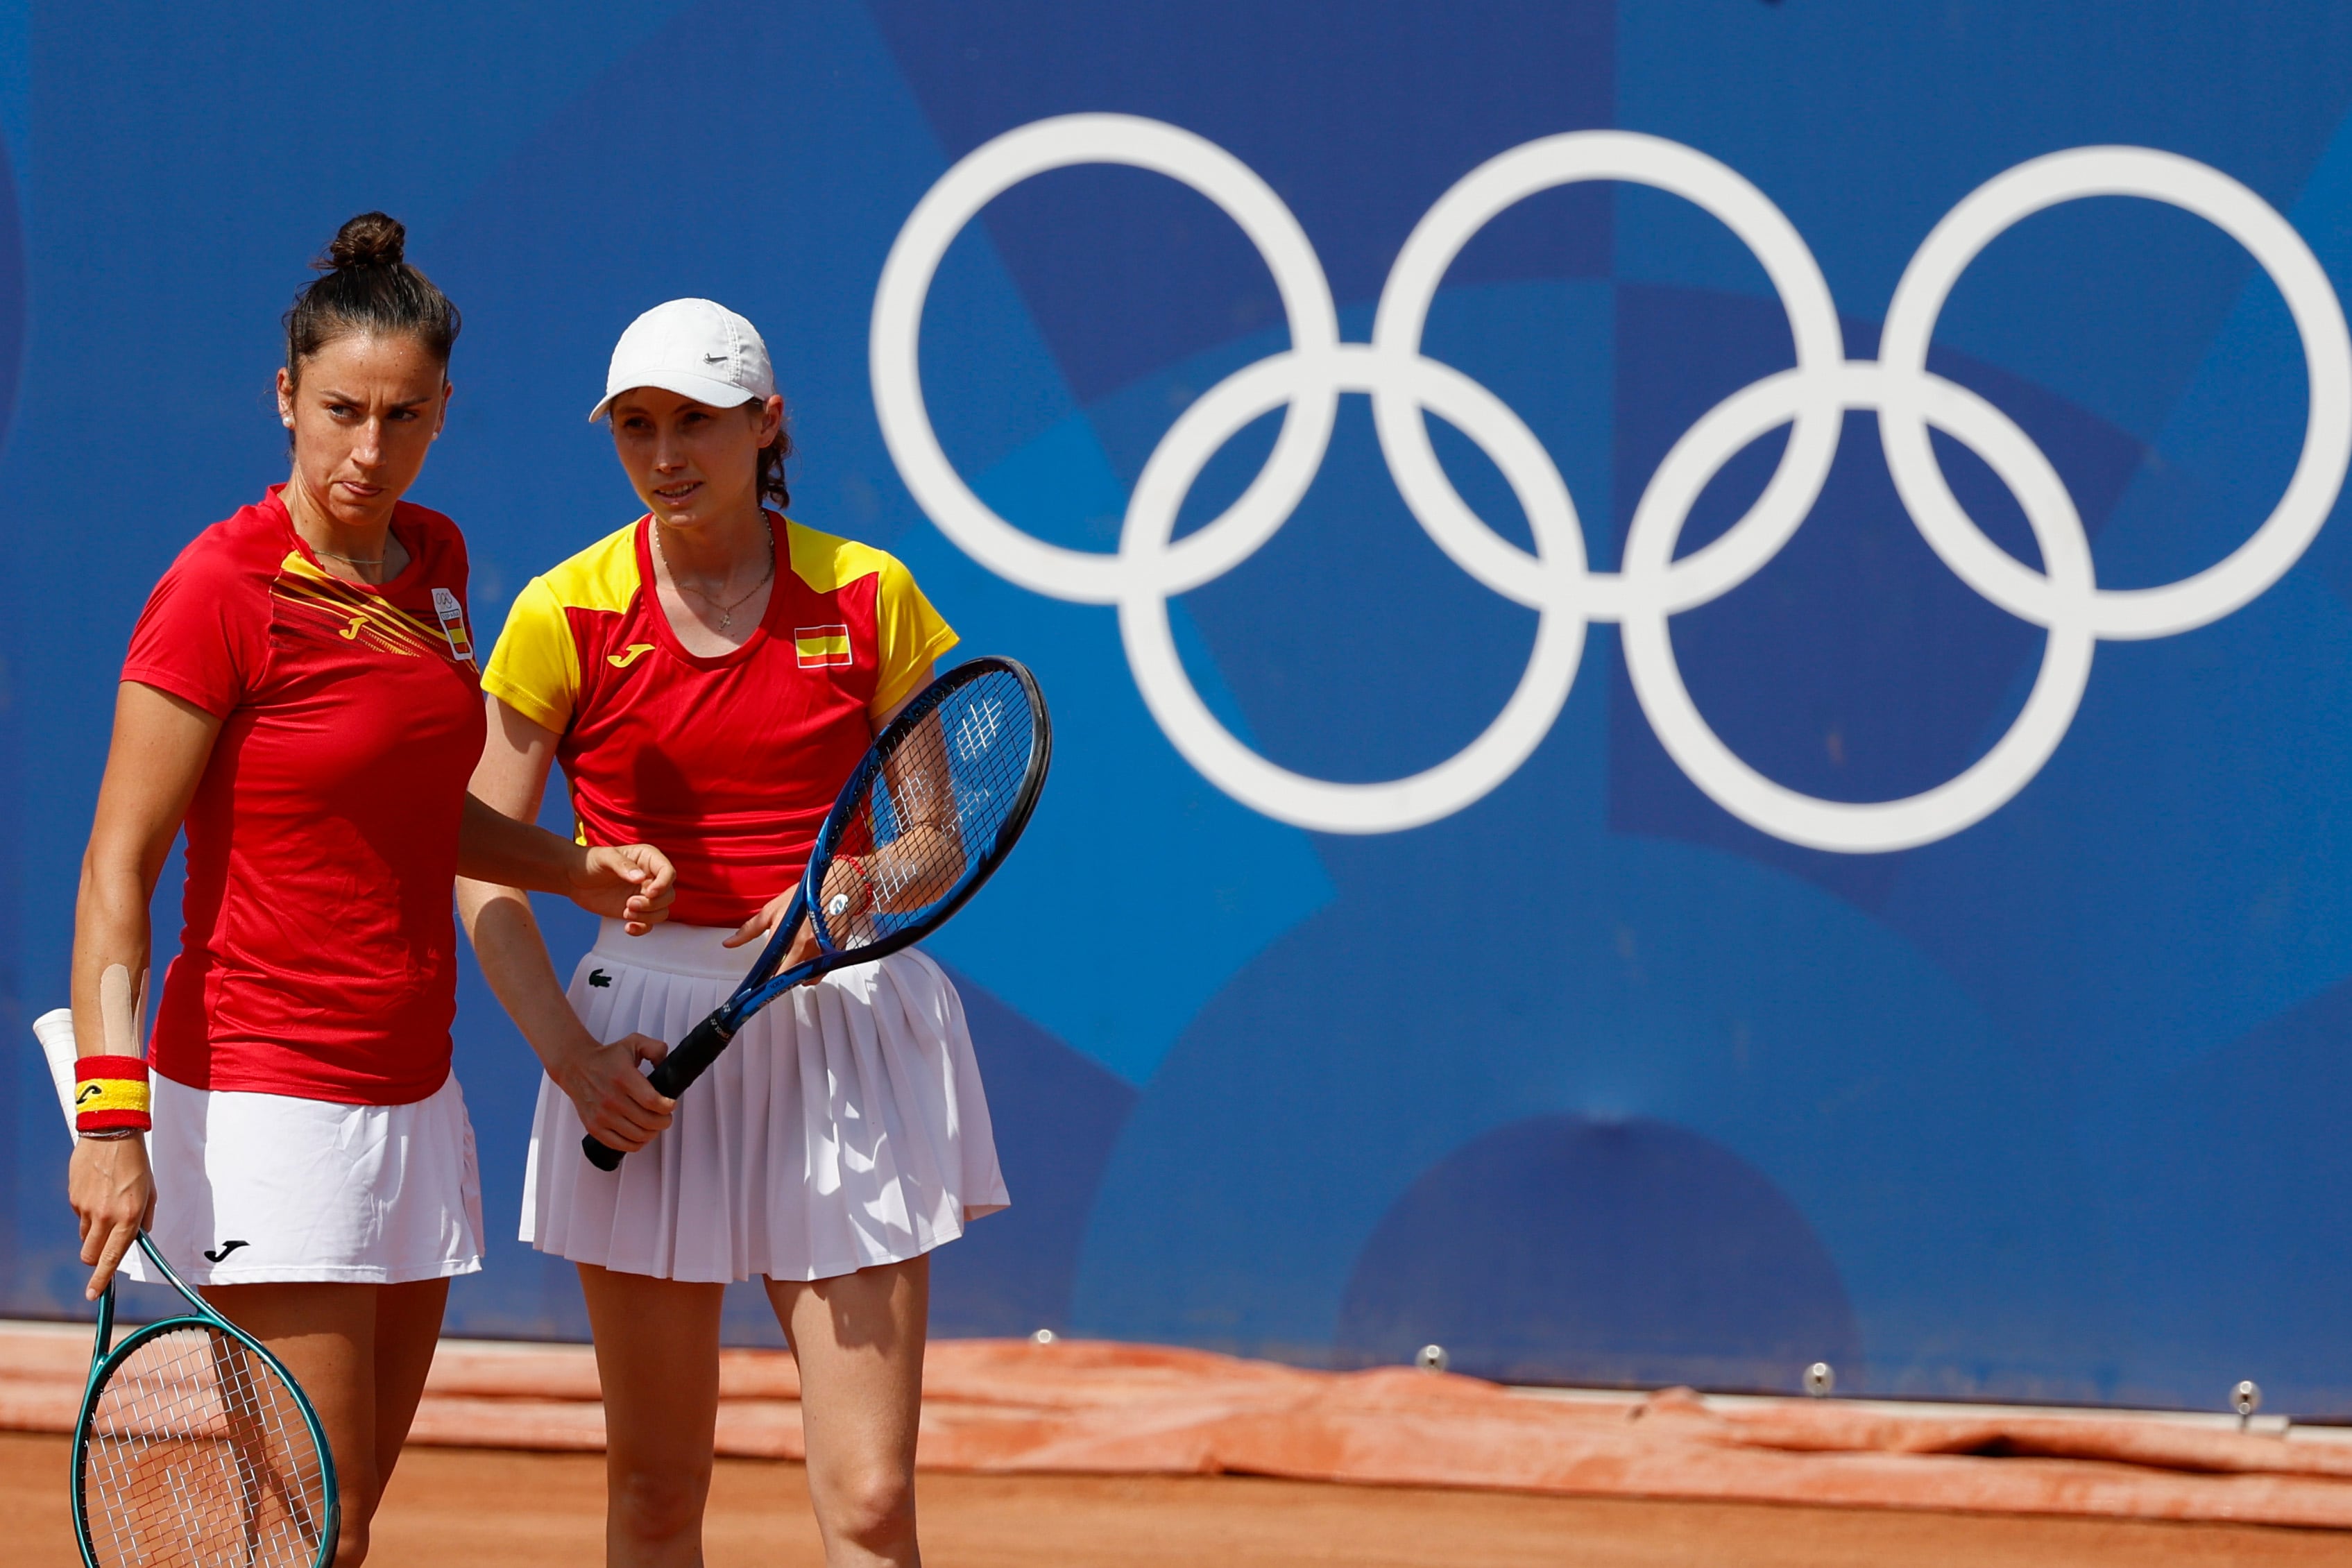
column 726, row 620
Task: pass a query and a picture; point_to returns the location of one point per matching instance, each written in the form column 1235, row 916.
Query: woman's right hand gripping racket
column 935, row 807
column 194, row 1444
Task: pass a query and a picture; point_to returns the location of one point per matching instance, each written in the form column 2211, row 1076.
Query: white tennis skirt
column 253, row 1189
column 845, row 1127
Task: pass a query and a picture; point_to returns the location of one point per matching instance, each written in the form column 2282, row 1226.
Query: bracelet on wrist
column 858, row 870
column 112, row 1135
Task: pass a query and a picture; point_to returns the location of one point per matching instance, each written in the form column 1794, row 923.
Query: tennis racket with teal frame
column 195, row 1446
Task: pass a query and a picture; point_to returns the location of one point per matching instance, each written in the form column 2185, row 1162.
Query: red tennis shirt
column 727, row 765
column 319, row 957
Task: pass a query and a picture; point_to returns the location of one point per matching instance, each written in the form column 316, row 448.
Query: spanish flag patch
column 821, row 647
column 453, row 625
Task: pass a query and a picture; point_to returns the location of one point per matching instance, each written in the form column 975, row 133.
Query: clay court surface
column 456, row 1507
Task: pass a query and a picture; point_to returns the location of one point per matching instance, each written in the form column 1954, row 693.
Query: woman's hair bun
column 367, row 286
column 371, row 239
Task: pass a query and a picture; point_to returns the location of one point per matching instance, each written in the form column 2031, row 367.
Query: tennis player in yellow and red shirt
column 708, row 676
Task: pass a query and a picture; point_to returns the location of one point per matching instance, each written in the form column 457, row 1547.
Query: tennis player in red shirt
column 301, row 694
column 709, row 676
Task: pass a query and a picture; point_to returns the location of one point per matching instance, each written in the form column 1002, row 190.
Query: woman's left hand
column 633, row 883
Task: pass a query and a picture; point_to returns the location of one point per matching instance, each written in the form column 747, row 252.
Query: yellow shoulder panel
column 535, row 667
column 909, row 635
column 825, row 561
column 602, row 577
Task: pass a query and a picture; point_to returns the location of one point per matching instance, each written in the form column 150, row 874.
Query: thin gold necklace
column 726, row 612
column 322, row 550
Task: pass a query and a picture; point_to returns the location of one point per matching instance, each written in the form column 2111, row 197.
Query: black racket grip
column 672, row 1077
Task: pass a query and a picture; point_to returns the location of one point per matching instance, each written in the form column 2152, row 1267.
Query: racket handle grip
column 690, row 1057
column 672, row 1077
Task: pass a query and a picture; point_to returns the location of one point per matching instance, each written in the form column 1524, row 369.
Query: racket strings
column 198, row 1455
column 931, row 812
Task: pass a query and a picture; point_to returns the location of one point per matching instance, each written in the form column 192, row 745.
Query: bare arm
column 160, row 746
column 631, row 882
column 603, row 1081
column 927, row 857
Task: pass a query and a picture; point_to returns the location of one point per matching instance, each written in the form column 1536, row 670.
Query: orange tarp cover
column 1092, row 1406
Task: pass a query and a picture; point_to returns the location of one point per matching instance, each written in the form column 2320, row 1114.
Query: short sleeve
column 909, row 635
column 204, row 634
column 535, row 667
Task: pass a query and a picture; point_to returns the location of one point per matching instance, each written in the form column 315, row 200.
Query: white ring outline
column 1716, row 189
column 1087, row 577
column 1857, row 828
column 2008, row 198
column 1559, row 564
column 1306, row 379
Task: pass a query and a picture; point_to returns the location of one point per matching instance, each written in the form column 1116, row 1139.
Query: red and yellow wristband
column 111, row 1095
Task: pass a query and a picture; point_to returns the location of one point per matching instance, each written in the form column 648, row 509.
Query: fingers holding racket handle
column 674, row 1075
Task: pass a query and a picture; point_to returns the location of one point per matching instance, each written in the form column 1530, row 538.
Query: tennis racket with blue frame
column 193, row 1445
column 931, row 811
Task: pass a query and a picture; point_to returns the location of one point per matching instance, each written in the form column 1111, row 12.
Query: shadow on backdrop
column 1572, row 1249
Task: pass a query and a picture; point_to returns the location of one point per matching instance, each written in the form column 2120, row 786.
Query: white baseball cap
column 696, row 348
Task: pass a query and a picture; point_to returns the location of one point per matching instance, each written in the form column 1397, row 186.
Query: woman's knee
column 357, row 1499
column 872, row 1506
column 658, row 1502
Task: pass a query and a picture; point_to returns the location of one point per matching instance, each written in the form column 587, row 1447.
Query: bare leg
column 657, row 1357
column 407, row 1331
column 325, row 1335
column 859, row 1338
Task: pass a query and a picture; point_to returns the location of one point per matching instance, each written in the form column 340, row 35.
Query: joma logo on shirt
column 628, row 656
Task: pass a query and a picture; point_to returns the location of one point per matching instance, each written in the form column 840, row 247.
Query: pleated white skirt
column 845, row 1127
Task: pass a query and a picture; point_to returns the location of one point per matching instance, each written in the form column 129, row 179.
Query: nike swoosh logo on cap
column 714, row 359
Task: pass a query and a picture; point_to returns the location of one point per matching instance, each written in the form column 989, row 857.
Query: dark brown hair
column 367, row 288
column 772, row 465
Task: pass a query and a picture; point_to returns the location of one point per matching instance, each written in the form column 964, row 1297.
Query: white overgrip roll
column 55, row 1030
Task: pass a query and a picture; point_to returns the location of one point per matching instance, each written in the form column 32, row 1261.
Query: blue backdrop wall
column 1609, row 1054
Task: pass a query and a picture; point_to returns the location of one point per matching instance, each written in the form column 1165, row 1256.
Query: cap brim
column 702, row 389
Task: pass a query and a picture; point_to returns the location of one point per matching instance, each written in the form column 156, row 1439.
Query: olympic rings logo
column 1305, row 382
